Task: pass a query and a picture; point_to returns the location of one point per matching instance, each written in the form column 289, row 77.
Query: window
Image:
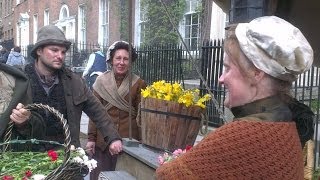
column 19, row 1
column 1, row 8
column 142, row 23
column 35, row 28
column 6, row 7
column 46, row 19
column 82, row 24
column 64, row 13
column 103, row 22
column 11, row 34
column 192, row 25
column 67, row 23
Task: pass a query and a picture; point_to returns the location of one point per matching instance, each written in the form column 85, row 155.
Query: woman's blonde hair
column 237, row 56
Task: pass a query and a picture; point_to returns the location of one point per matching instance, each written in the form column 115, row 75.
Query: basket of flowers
column 66, row 162
column 170, row 115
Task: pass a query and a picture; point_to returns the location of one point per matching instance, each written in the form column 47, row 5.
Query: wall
column 32, row 7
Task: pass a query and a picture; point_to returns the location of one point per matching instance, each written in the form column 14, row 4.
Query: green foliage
column 17, row 163
column 158, row 27
column 314, row 105
column 316, row 174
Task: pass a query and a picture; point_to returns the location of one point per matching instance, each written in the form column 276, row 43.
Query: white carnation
column 91, row 164
column 78, row 160
column 38, row 177
column 81, row 151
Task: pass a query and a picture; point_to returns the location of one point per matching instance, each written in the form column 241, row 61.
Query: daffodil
column 174, row 92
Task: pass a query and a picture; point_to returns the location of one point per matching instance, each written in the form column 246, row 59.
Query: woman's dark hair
column 126, row 46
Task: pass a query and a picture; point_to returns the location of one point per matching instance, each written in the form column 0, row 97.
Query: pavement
column 83, row 134
column 84, row 129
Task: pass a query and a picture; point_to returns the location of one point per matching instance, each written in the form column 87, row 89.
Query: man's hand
column 115, row 147
column 90, row 148
column 20, row 115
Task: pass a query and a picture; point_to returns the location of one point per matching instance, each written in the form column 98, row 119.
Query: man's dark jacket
column 79, row 98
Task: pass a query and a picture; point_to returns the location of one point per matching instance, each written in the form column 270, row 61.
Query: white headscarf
column 275, row 46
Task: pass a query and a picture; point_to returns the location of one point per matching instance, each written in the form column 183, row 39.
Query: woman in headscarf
column 262, row 59
column 112, row 88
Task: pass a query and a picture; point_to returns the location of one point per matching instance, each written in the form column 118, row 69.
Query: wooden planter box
column 169, row 125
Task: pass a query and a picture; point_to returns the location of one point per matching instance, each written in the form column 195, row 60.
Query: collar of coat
column 29, row 68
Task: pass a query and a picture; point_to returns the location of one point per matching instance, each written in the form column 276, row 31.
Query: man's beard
column 50, row 67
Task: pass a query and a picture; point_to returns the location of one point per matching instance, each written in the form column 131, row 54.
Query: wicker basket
column 67, row 169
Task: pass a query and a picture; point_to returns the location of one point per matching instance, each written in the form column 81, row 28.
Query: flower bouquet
column 170, row 115
column 166, row 157
column 174, row 92
column 38, row 165
column 65, row 163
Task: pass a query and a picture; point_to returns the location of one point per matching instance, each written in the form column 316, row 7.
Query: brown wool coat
column 119, row 117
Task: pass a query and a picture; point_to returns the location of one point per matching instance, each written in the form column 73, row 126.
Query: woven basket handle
column 8, row 133
column 65, row 125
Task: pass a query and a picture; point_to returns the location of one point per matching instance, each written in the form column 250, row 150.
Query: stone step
column 118, row 175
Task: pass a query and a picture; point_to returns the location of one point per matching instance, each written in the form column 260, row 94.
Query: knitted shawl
column 241, row 150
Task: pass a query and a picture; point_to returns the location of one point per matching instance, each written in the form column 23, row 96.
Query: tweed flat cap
column 50, row 35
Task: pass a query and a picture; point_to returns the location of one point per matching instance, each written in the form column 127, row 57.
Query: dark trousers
column 106, row 162
column 92, row 79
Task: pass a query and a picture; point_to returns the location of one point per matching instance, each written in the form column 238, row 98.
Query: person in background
column 96, row 66
column 262, row 59
column 14, row 85
column 3, row 54
column 112, row 89
column 55, row 85
column 16, row 59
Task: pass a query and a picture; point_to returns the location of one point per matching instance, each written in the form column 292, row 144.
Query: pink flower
column 168, row 157
column 160, row 160
column 7, row 178
column 177, row 152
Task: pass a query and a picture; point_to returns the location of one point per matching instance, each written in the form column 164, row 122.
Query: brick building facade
column 101, row 21
column 85, row 21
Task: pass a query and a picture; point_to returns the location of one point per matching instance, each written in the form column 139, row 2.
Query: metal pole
column 130, row 64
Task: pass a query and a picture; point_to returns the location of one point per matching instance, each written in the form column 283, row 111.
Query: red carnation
column 53, row 155
column 25, row 178
column 28, row 173
column 188, row 147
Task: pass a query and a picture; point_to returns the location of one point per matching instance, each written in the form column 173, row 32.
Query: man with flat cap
column 55, row 85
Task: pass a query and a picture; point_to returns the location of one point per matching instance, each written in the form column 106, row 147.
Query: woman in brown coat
column 112, row 88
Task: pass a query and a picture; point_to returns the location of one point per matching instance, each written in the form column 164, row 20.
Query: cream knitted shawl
column 106, row 87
